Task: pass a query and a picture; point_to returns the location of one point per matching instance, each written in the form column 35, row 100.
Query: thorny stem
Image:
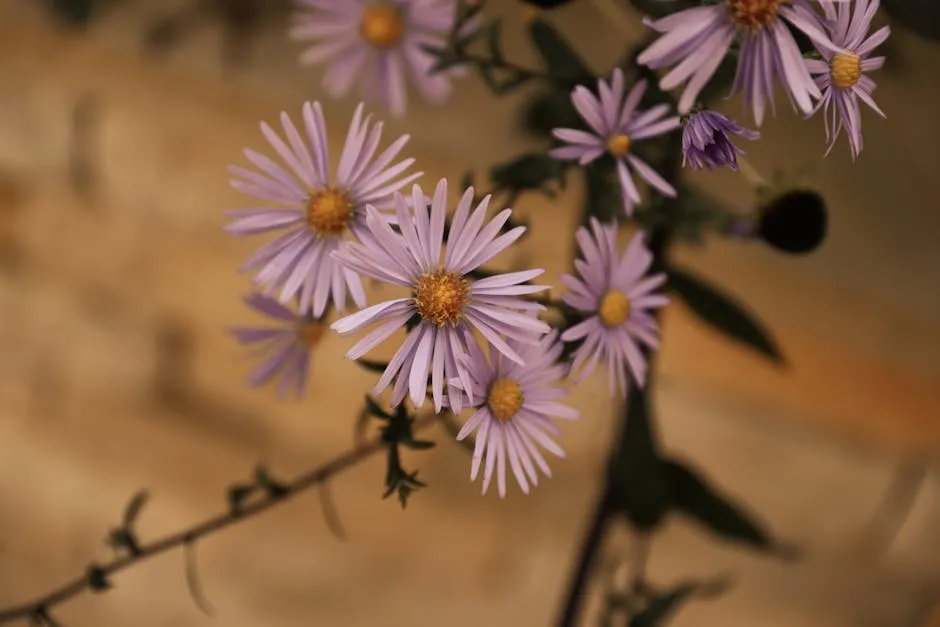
column 210, row 526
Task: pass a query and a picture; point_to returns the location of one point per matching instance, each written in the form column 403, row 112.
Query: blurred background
column 116, row 284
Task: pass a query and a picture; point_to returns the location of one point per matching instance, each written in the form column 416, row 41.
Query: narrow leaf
column 662, row 607
column 693, row 496
column 193, row 583
column 558, row 57
column 134, row 506
column 528, row 172
column 372, row 366
column 723, row 313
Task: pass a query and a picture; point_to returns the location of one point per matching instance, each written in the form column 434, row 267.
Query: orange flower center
column 845, row 69
column 753, row 14
column 618, row 145
column 504, row 399
column 381, row 25
column 328, row 212
column 614, row 309
column 441, row 297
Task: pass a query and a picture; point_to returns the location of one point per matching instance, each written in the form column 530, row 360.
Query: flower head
column 841, row 74
column 374, row 42
column 695, row 41
column 314, row 211
column 285, row 347
column 514, row 408
column 448, row 302
column 615, row 294
column 706, row 142
column 615, row 123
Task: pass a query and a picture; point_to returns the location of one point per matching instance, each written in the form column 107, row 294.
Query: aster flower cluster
column 475, row 339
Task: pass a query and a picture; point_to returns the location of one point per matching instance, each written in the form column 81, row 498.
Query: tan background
column 97, row 293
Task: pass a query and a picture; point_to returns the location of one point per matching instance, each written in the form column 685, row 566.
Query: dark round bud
column 794, row 222
column 546, row 4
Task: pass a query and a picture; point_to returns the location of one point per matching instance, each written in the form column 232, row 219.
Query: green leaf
column 602, row 193
column 123, row 538
column 694, row 497
column 493, row 43
column 274, row 488
column 662, row 607
column 97, row 578
column 558, row 57
column 466, row 181
column 724, row 314
column 74, row 12
column 376, row 410
column 548, row 110
column 529, row 171
column 372, row 366
column 660, row 8
column 134, row 506
column 410, row 325
column 237, row 494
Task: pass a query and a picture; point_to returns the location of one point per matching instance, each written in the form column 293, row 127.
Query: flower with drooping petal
column 615, row 123
column 616, row 295
column 375, row 42
column 695, row 41
column 449, row 303
column 286, row 348
column 315, row 212
column 706, row 141
column 515, row 407
column 841, row 75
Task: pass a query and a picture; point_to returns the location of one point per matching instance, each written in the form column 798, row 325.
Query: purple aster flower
column 841, row 74
column 315, row 213
column 616, row 122
column 286, row 348
column 617, row 296
column 374, row 41
column 449, row 304
column 696, row 40
column 515, row 405
column 706, row 141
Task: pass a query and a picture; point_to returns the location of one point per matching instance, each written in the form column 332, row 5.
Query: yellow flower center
column 381, row 25
column 441, row 297
column 614, row 308
column 309, row 332
column 845, row 69
column 618, row 145
column 753, row 14
column 504, row 399
column 329, row 211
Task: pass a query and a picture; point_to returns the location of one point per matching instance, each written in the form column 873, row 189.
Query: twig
column 103, row 572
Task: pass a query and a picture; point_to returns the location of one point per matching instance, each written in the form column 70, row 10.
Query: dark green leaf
column 97, row 578
column 661, row 607
column 375, row 409
column 549, row 110
column 134, row 506
column 530, row 171
column 661, row 8
column 493, row 32
column 640, row 486
column 268, row 484
column 693, row 496
column 372, row 366
column 558, row 57
column 124, row 539
column 74, row 12
column 721, row 312
column 502, row 81
column 602, row 193
column 720, row 83
column 411, row 323
column 237, row 495
column 466, row 180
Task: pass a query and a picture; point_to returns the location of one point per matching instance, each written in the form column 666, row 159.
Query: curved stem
column 590, row 547
column 191, row 534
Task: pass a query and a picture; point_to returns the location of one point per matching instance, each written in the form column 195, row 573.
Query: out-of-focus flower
column 448, row 302
column 706, row 140
column 515, row 408
column 285, row 348
column 316, row 212
column 695, row 41
column 616, row 123
column 374, row 43
column 617, row 296
column 840, row 75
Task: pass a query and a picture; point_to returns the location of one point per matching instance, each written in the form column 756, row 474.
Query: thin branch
column 210, row 526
